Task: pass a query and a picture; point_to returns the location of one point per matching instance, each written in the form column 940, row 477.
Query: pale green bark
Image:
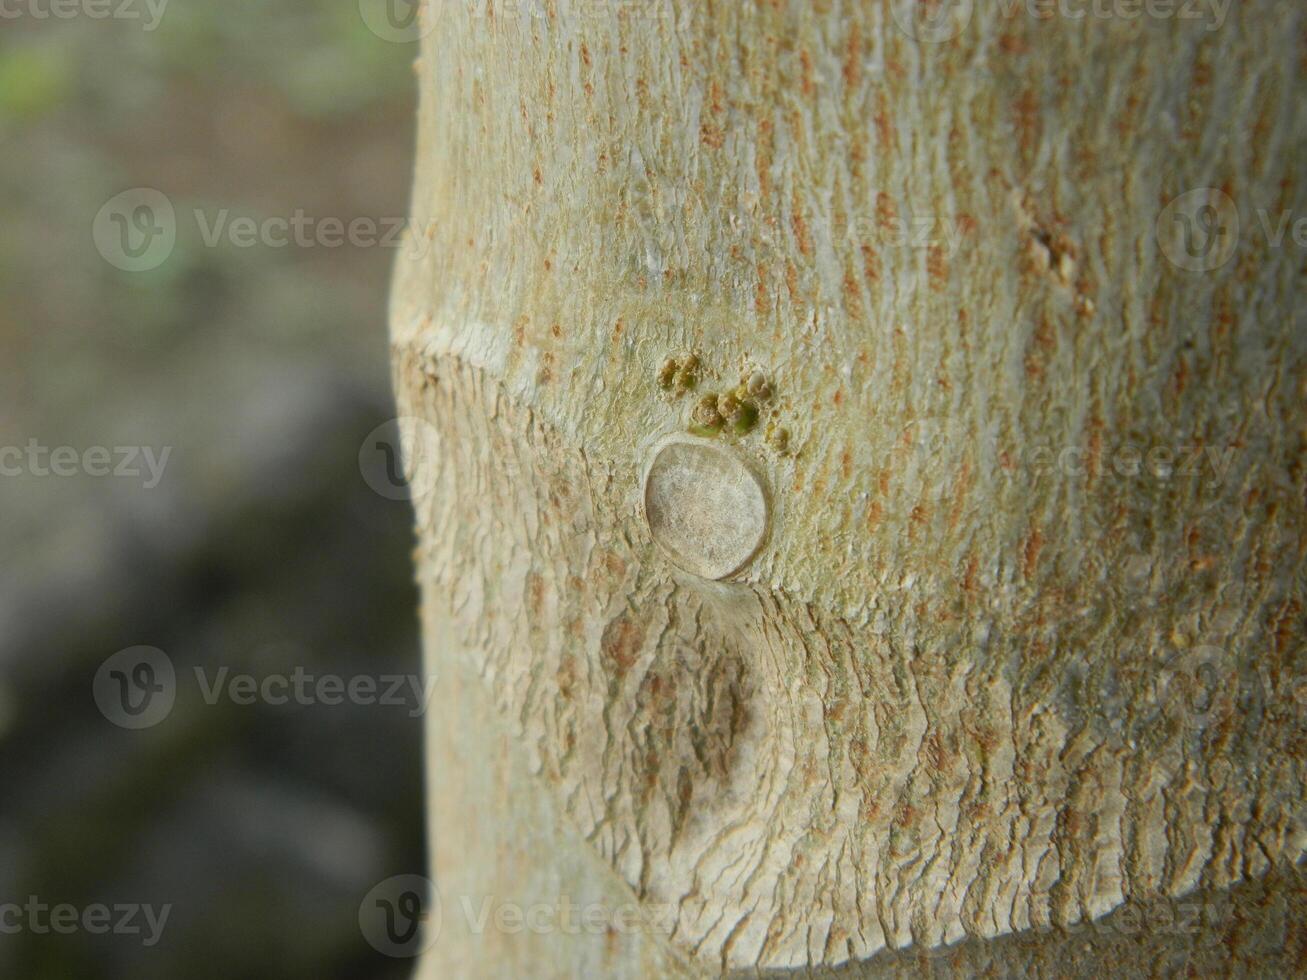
column 964, row 689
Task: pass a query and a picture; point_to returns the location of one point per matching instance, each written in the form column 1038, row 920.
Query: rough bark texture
column 991, row 686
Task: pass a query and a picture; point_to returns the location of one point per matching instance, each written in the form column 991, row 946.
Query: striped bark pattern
column 1023, row 647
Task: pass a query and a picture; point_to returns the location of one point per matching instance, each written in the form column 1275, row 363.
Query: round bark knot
column 707, row 509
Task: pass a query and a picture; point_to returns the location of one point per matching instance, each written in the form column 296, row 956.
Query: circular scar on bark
column 706, row 507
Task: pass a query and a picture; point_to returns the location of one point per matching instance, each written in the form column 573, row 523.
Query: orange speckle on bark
column 874, row 513
column 1180, row 377
column 712, row 135
column 1045, row 336
column 621, row 643
column 764, row 152
column 1095, row 458
column 801, row 237
column 614, row 566
column 1034, row 543
column 852, row 296
column 960, row 496
column 884, row 127
column 805, row 62
column 870, row 264
column 852, row 69
column 1288, row 624
column 937, row 267
column 535, row 595
column 761, row 302
column 887, row 213
column 969, row 575
column 1010, row 43
column 1026, row 110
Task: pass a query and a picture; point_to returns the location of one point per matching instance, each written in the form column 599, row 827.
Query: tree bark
column 859, row 468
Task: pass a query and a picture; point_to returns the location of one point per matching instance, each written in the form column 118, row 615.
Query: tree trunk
column 859, row 464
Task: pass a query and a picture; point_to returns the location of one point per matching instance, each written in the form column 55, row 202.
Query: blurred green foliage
column 263, row 368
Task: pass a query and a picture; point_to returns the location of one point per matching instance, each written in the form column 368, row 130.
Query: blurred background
column 242, row 373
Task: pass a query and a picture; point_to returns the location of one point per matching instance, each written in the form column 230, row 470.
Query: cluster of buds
column 679, row 375
column 736, row 409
